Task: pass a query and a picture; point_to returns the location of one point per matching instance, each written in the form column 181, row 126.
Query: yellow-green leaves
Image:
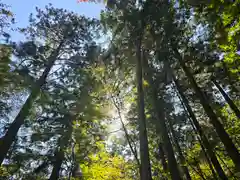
column 3, row 172
column 104, row 166
column 145, row 83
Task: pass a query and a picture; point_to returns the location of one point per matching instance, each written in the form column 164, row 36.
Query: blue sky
column 22, row 9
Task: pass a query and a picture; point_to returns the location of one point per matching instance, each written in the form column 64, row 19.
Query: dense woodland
column 166, row 77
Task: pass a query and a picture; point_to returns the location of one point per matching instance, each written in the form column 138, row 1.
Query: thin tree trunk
column 198, row 138
column 59, row 156
column 162, row 157
column 205, row 141
column 73, row 160
column 129, row 140
column 172, row 163
column 161, row 125
column 181, row 156
column 227, row 141
column 7, row 140
column 199, row 170
column 229, row 170
column 202, row 146
column 76, row 173
column 228, row 74
column 41, row 167
column 63, row 143
column 207, row 158
column 227, row 99
column 144, row 150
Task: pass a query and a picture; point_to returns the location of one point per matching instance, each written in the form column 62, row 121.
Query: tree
column 207, row 145
column 60, row 30
column 161, row 125
column 227, row 98
column 166, row 80
column 181, row 157
column 6, row 20
column 230, row 147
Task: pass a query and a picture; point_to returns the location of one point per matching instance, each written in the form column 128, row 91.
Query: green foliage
column 103, row 166
column 92, row 88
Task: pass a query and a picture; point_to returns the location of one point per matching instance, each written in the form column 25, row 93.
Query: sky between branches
column 22, row 9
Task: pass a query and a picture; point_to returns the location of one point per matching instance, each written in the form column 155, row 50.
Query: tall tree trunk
column 181, row 156
column 76, row 172
column 158, row 106
column 205, row 141
column 63, row 144
column 207, row 158
column 227, row 141
column 162, row 157
column 187, row 114
column 227, row 99
column 59, row 157
column 144, row 150
column 172, row 163
column 7, row 140
column 202, row 144
column 232, row 175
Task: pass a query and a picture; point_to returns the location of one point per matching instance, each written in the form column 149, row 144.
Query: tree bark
column 227, row 98
column 59, row 156
column 205, row 141
column 162, row 157
column 181, row 156
column 227, row 141
column 144, row 150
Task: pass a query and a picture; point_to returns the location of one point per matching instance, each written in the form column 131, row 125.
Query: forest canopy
column 158, row 100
